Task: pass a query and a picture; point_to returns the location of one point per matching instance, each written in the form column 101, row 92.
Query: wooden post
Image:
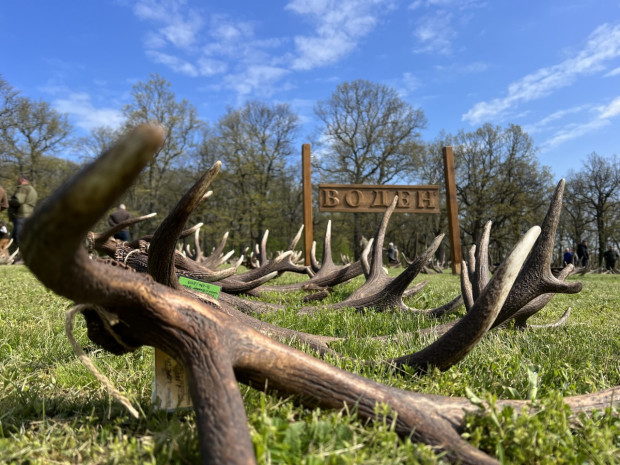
column 453, row 216
column 307, row 189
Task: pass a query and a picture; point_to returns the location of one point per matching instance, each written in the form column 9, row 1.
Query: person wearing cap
column 118, row 217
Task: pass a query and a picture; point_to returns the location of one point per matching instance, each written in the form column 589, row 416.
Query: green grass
column 52, row 410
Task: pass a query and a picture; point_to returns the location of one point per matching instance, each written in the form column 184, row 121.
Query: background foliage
column 368, row 134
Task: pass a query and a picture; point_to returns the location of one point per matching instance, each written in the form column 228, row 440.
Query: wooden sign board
column 363, row 198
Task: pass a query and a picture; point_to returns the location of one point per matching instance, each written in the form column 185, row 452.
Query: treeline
column 366, row 135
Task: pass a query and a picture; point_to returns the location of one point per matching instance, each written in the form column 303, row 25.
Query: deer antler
column 382, row 292
column 215, row 348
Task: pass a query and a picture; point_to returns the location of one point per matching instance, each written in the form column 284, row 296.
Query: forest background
column 367, row 135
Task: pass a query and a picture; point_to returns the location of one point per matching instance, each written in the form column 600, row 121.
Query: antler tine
column 376, row 265
column 101, row 238
column 295, row 240
column 482, row 262
column 263, row 248
column 455, row 344
column 466, row 288
column 313, row 261
column 364, row 257
column 213, row 260
column 471, row 269
column 193, row 230
column 535, row 305
column 162, row 251
column 327, row 261
column 51, row 250
column 536, row 278
column 400, row 283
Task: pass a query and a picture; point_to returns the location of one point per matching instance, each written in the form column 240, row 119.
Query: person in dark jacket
column 568, row 256
column 21, row 206
column 118, row 217
column 582, row 253
column 610, row 257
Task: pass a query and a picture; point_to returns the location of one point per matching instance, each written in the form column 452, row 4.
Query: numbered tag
column 207, row 288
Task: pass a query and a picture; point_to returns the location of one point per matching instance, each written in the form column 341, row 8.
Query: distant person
column 582, row 253
column 363, row 242
column 610, row 257
column 118, row 217
column 392, row 253
column 21, row 206
column 568, row 256
column 4, row 200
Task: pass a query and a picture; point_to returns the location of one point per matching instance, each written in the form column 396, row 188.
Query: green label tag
column 207, row 288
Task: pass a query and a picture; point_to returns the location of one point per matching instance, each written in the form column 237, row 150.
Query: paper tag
column 171, row 389
column 207, row 288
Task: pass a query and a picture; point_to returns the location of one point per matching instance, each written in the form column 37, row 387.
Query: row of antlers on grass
column 221, row 343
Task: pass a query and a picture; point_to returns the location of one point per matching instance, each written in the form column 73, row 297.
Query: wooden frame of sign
column 365, row 198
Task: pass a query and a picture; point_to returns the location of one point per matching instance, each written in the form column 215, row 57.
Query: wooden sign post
column 453, row 214
column 307, row 190
column 360, row 198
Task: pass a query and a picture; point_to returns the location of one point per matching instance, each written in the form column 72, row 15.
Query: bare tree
column 154, row 101
column 498, row 176
column 254, row 143
column 597, row 188
column 33, row 131
column 370, row 136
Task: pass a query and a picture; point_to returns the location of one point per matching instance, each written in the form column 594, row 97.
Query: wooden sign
column 364, row 198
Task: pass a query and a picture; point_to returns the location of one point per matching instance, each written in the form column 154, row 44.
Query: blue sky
column 552, row 66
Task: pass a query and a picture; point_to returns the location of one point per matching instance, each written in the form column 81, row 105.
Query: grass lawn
column 52, row 409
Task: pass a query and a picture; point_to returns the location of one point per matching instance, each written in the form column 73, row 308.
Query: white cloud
column 543, row 124
column 611, row 110
column 174, row 63
column 339, row 26
column 613, row 72
column 434, row 31
column 257, row 78
column 470, row 68
column 179, row 25
column 406, row 84
column 602, row 117
column 574, row 131
column 80, row 108
column 603, row 44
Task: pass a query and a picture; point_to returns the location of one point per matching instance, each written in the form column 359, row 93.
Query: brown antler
column 215, row 348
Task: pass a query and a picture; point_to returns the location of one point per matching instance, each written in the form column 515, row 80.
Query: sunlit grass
column 52, row 410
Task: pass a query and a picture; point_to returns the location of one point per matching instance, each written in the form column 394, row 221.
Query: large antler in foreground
column 214, row 348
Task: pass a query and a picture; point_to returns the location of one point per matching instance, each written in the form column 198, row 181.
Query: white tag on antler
column 171, row 389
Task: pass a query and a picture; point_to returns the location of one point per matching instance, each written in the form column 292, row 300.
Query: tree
column 370, row 136
column 254, row 143
column 33, row 131
column 99, row 140
column 597, row 187
column 154, row 101
column 499, row 179
column 8, row 102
